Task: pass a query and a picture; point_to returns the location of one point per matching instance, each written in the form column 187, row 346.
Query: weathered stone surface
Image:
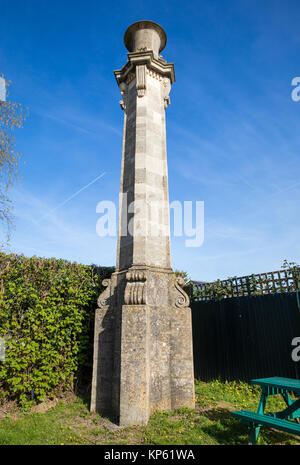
column 143, row 358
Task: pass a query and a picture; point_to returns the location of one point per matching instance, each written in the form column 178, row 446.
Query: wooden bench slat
column 258, row 419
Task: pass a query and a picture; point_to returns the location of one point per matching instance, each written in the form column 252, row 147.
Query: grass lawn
column 68, row 422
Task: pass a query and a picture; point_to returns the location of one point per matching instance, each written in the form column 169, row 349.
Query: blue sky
column 232, row 126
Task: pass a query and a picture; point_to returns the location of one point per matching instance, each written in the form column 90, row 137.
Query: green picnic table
column 279, row 420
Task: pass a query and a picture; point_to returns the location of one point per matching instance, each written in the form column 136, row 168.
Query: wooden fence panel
column 241, row 338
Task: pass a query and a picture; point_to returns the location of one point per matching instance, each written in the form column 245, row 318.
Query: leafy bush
column 47, row 309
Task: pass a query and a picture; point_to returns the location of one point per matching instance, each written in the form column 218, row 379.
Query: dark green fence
column 241, row 338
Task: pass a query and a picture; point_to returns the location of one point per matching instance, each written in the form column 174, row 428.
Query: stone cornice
column 147, row 58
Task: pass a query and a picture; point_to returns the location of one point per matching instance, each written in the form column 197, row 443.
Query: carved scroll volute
column 182, row 300
column 141, row 80
column 124, row 91
column 135, row 291
column 166, row 87
column 104, row 296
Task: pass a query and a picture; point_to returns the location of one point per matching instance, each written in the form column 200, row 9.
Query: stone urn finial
column 145, row 35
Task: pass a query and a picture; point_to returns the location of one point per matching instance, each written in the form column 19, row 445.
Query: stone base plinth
column 143, row 355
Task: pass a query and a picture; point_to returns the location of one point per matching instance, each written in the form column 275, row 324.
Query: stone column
column 143, row 359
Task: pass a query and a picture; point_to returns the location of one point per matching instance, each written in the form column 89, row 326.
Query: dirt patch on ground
column 89, row 421
column 226, row 406
column 13, row 412
column 112, row 427
column 9, row 408
column 44, row 406
column 217, row 406
column 50, row 403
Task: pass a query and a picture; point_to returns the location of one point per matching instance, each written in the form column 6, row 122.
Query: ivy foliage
column 47, row 309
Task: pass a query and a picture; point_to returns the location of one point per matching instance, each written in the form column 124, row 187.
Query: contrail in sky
column 73, row 195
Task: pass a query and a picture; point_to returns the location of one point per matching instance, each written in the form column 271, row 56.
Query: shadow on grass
column 227, row 430
column 224, row 428
column 83, row 391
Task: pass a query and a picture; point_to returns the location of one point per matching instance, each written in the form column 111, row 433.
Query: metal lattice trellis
column 285, row 280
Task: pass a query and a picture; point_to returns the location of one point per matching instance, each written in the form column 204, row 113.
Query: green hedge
column 47, row 309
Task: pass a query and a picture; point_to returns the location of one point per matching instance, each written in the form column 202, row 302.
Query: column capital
column 140, row 63
column 156, row 65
